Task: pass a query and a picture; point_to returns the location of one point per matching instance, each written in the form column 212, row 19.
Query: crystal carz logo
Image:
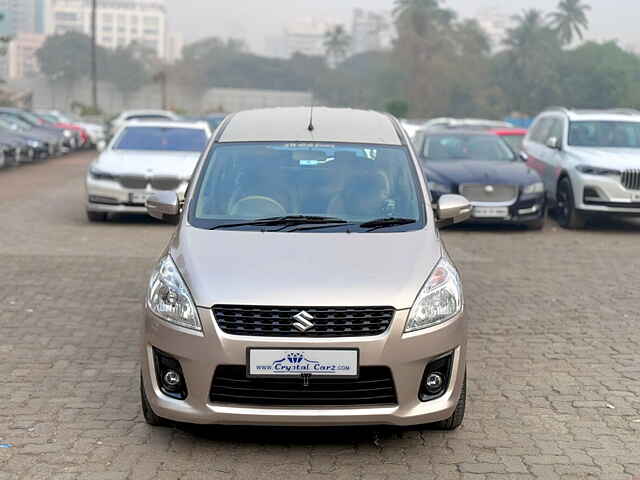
column 298, row 362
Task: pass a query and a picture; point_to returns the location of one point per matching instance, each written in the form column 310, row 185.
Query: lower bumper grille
column 489, row 193
column 267, row 321
column 374, row 386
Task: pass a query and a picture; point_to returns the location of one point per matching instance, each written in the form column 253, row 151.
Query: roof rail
column 624, row 111
column 559, row 108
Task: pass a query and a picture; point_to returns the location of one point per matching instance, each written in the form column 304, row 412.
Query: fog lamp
column 433, row 383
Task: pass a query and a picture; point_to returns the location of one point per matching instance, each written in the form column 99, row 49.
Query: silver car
column 142, row 158
column 589, row 161
column 306, row 283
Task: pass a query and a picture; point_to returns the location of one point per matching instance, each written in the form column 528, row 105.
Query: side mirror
column 101, row 145
column 523, row 156
column 554, row 143
column 452, row 209
column 164, row 206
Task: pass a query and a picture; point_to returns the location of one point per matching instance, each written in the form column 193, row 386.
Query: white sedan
column 143, row 158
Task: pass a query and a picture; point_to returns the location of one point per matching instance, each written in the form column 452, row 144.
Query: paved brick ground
column 554, row 350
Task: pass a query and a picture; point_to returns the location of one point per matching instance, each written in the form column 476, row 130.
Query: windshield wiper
column 386, row 222
column 286, row 221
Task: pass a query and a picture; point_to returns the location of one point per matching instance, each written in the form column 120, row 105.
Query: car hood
column 607, row 157
column 476, row 171
column 304, row 269
column 133, row 162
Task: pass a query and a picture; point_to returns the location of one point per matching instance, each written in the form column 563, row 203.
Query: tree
column 130, row 68
column 337, row 43
column 422, row 16
column 570, row 18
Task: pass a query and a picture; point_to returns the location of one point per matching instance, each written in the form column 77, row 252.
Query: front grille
column 374, row 386
column 631, row 179
column 489, row 193
column 165, row 183
column 264, row 321
column 133, row 181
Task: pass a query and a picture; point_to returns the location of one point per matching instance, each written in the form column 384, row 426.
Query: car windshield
column 162, row 138
column 451, row 146
column 21, row 124
column 605, row 134
column 352, row 183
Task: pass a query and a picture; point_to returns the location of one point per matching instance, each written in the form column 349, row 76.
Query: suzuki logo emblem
column 489, row 189
column 303, row 321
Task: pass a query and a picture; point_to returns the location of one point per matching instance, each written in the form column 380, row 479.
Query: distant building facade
column 306, row 36
column 118, row 22
column 21, row 58
column 370, row 31
column 19, row 17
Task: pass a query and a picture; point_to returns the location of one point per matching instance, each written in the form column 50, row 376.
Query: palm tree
column 570, row 18
column 337, row 43
column 422, row 15
column 530, row 26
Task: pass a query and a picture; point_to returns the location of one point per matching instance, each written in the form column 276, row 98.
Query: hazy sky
column 254, row 20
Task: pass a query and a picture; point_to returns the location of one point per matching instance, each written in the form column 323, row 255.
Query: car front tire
column 455, row 420
column 96, row 216
column 149, row 415
column 567, row 214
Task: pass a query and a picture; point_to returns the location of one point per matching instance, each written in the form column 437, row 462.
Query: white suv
column 589, row 161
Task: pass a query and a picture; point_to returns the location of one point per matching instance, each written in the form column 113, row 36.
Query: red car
column 81, row 135
column 513, row 136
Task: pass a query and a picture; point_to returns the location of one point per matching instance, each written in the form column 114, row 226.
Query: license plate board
column 138, row 198
column 490, row 212
column 285, row 362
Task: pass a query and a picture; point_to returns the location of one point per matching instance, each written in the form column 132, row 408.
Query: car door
column 553, row 157
column 535, row 149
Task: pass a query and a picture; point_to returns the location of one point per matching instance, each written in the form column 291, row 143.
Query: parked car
column 483, row 168
column 513, row 136
column 465, row 123
column 411, row 126
column 31, row 144
column 142, row 158
column 95, row 131
column 141, row 115
column 80, row 136
column 589, row 161
column 54, row 137
column 307, row 283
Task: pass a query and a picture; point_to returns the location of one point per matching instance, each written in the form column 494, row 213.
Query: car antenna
column 311, row 128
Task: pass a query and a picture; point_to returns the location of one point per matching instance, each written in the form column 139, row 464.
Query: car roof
column 611, row 115
column 459, row 131
column 330, row 125
column 166, row 123
column 129, row 113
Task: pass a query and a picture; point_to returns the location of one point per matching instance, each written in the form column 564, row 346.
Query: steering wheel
column 257, row 206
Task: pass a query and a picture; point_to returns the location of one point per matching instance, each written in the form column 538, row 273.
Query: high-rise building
column 370, row 31
column 306, row 36
column 21, row 55
column 118, row 22
column 19, row 16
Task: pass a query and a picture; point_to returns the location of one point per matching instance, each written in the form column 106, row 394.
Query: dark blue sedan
column 483, row 168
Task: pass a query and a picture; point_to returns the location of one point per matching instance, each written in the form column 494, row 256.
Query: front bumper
column 604, row 194
column 111, row 197
column 405, row 354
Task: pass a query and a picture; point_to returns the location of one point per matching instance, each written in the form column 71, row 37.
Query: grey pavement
column 554, row 358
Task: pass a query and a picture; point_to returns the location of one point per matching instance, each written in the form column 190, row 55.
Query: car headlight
column 439, row 300
column 589, row 170
column 537, row 187
column 34, row 143
column 100, row 174
column 438, row 187
column 169, row 298
column 67, row 133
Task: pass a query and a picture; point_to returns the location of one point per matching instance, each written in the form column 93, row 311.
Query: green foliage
column 570, row 19
column 397, row 108
column 337, row 43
